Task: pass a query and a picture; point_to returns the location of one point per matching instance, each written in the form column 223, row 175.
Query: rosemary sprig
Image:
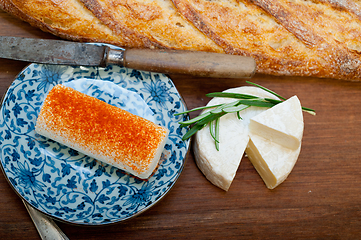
column 243, row 101
column 214, row 130
column 266, row 89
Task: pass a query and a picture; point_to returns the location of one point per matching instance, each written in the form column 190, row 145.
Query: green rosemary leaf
column 257, row 103
column 274, row 101
column 235, row 108
column 231, row 95
column 202, row 119
column 217, row 133
column 226, row 105
column 196, row 109
column 239, row 115
column 217, row 110
column 212, row 130
column 212, row 117
column 196, row 119
column 192, row 131
column 250, row 100
column 266, row 89
column 309, row 110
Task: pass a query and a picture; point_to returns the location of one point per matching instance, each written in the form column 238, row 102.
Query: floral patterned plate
column 68, row 185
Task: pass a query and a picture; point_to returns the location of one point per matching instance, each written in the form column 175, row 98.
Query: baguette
column 318, row 38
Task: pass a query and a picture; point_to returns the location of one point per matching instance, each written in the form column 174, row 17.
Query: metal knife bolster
column 112, row 56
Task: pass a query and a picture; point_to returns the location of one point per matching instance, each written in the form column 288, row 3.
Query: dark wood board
column 319, row 200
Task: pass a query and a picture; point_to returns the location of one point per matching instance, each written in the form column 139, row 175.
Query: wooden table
column 320, row 199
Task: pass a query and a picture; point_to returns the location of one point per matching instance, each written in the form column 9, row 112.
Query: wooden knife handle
column 200, row 64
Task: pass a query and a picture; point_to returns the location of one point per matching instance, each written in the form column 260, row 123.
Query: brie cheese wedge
column 283, row 123
column 275, row 141
column 271, row 137
column 220, row 167
column 272, row 161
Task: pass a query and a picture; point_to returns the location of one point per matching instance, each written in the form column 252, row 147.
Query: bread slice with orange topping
column 102, row 131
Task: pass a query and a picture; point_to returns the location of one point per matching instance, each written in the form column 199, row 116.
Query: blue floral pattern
column 69, row 185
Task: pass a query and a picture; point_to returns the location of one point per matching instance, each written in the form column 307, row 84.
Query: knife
column 46, row 227
column 195, row 63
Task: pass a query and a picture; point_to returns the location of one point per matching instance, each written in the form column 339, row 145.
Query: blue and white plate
column 73, row 187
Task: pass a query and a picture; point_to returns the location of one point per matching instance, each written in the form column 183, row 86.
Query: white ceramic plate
column 68, row 185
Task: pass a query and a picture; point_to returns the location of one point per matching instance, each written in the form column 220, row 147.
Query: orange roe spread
column 100, row 129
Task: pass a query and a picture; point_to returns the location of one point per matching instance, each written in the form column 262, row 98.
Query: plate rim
column 122, row 220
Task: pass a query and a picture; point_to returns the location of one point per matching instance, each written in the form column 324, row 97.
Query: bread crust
column 155, row 23
column 63, row 20
column 299, row 20
column 319, row 38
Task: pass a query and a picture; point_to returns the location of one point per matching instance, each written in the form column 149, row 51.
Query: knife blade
column 61, row 52
column 46, row 227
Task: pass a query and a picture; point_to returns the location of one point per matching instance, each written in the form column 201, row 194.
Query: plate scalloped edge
column 68, row 185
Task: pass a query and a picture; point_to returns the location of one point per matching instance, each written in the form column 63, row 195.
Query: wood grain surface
column 321, row 199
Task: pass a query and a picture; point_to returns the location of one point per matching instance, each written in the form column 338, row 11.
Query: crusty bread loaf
column 156, row 23
column 286, row 37
column 283, row 36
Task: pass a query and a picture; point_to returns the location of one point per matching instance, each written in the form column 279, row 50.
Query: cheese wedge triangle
column 220, row 167
column 283, row 123
column 272, row 161
column 275, row 141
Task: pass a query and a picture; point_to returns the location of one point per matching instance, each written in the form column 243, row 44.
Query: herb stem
column 266, row 89
column 213, row 116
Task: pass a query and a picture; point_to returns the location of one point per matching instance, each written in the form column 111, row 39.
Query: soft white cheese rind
column 272, row 161
column 220, row 167
column 275, row 141
column 283, row 123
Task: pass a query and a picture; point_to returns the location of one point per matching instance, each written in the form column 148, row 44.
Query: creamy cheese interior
column 220, row 167
column 271, row 138
column 283, row 123
column 272, row 161
column 275, row 141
